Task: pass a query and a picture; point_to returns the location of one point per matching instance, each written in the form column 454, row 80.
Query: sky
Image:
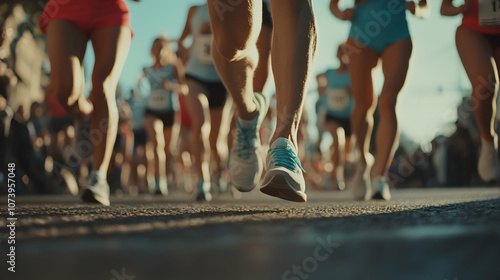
column 435, row 84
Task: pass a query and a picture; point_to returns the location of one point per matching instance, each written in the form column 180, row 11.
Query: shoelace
column 285, row 157
column 246, row 140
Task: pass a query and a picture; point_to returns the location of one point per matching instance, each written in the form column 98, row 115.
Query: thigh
column 235, row 23
column 476, row 54
column 66, row 45
column 361, row 63
column 111, row 46
column 395, row 62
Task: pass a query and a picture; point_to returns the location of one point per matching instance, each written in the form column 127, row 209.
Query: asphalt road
column 421, row 234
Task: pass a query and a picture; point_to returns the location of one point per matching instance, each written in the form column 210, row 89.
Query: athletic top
column 483, row 16
column 337, row 100
column 200, row 63
column 160, row 99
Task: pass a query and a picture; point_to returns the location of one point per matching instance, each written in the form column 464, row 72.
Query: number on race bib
column 489, row 12
column 158, row 100
column 338, row 99
column 204, row 54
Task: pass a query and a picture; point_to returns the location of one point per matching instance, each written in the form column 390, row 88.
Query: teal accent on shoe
column 285, row 157
column 246, row 140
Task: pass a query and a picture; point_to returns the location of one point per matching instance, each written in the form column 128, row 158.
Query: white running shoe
column 284, row 178
column 203, row 192
column 489, row 165
column 361, row 182
column 381, row 189
column 246, row 163
column 97, row 190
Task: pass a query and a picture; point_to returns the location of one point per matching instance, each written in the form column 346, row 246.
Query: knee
column 103, row 87
column 387, row 106
column 364, row 107
column 234, row 46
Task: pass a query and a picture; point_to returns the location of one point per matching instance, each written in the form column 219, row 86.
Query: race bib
column 204, row 54
column 158, row 100
column 489, row 12
column 338, row 99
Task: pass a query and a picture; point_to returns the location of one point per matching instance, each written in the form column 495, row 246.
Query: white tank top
column 200, row 63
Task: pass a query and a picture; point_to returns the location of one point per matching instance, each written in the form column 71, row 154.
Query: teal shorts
column 379, row 23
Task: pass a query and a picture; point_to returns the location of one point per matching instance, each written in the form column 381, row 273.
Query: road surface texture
column 421, row 234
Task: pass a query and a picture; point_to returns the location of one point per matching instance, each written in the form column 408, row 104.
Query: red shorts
column 471, row 20
column 88, row 15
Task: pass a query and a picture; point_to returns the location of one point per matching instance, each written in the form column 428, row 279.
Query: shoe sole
column 279, row 187
column 89, row 196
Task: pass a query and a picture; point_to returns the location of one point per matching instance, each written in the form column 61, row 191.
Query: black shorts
column 140, row 137
column 266, row 15
column 344, row 123
column 216, row 92
column 166, row 118
column 58, row 124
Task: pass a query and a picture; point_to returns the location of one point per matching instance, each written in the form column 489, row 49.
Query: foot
column 489, row 165
column 361, row 182
column 381, row 189
column 203, row 191
column 245, row 160
column 97, row 190
column 284, row 178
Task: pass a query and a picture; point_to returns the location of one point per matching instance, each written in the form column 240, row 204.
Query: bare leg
column 362, row 61
column 264, row 47
column 361, row 64
column 215, row 129
column 395, row 60
column 294, row 45
column 476, row 54
column 338, row 155
column 480, row 61
column 111, row 47
column 235, row 51
column 66, row 45
column 197, row 104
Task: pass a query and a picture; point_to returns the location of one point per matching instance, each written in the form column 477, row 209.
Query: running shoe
column 284, row 178
column 381, row 189
column 203, row 192
column 246, row 163
column 489, row 165
column 97, row 190
column 360, row 182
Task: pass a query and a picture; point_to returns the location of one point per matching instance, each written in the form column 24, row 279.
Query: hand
column 347, row 14
column 167, row 85
column 412, row 7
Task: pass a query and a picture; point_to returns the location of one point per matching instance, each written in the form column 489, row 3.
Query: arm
column 347, row 14
column 182, row 51
column 180, row 87
column 420, row 10
column 448, row 9
column 322, row 83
